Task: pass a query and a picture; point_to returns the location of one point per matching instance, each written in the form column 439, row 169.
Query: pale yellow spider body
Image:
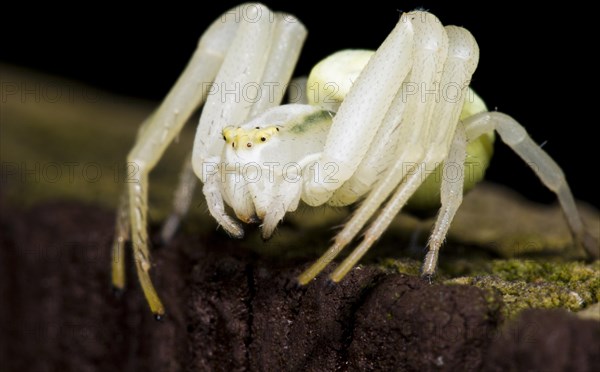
column 378, row 145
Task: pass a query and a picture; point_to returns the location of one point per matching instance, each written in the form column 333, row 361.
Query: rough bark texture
column 233, row 311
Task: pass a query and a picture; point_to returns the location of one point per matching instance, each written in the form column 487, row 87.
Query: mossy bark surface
column 509, row 275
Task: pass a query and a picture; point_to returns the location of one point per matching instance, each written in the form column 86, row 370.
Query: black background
column 534, row 65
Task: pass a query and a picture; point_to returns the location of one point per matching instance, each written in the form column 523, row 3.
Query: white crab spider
column 378, row 129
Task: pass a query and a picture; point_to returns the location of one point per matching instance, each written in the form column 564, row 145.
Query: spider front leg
column 427, row 130
column 153, row 138
column 358, row 119
column 425, row 54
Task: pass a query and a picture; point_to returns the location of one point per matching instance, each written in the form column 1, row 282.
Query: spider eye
column 257, row 127
column 263, row 139
column 224, row 138
column 248, row 144
column 233, row 145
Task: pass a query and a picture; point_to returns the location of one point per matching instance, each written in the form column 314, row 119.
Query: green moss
column 581, row 278
column 520, row 295
column 527, row 284
column 401, row 266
